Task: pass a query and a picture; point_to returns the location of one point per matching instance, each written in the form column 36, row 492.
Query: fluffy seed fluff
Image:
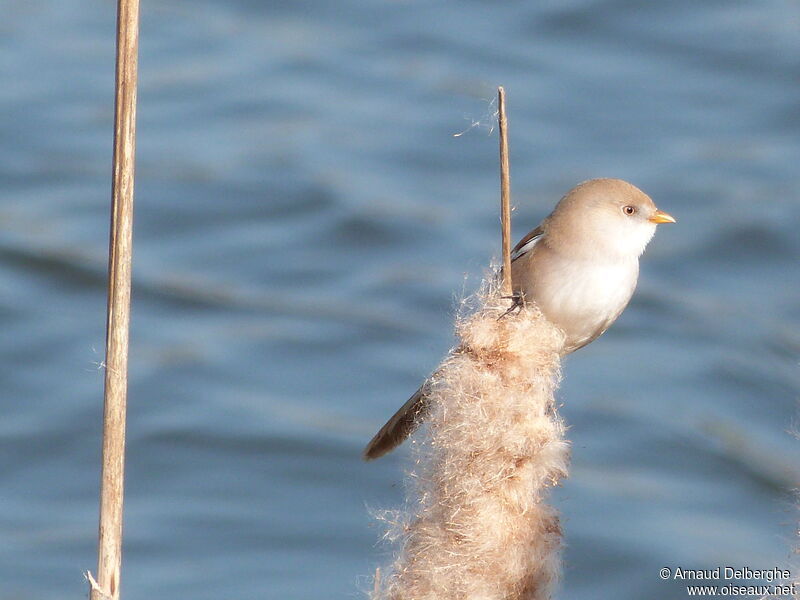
column 477, row 525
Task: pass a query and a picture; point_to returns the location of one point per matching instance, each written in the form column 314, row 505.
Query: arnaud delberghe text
column 728, row 573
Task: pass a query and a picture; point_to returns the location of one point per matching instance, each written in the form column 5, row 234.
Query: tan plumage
column 580, row 267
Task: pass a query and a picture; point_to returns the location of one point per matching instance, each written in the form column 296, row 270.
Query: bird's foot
column 517, row 303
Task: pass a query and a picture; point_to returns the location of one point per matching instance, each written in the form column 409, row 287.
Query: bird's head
column 604, row 218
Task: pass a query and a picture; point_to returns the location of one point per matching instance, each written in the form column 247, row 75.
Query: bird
column 579, row 266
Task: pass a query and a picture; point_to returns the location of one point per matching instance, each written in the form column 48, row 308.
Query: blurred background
column 306, row 222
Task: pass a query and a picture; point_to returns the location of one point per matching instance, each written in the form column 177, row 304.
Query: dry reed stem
column 505, row 191
column 118, row 319
column 477, row 526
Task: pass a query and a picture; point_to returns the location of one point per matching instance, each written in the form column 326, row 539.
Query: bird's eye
column 628, row 210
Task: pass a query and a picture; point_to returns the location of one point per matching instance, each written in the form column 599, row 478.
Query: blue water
column 305, row 223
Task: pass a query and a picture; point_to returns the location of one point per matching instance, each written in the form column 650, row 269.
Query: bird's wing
column 527, row 243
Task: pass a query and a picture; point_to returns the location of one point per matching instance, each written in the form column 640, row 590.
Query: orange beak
column 661, row 217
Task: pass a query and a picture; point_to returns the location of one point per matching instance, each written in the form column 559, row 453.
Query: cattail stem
column 478, row 524
column 505, row 192
column 107, row 582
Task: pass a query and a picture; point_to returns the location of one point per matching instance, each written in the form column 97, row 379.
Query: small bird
column 580, row 267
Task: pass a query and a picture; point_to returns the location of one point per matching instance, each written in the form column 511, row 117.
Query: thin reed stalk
column 107, row 583
column 505, row 191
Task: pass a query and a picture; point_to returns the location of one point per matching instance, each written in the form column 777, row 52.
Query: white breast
column 584, row 297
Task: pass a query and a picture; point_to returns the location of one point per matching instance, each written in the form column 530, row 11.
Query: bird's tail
column 400, row 426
